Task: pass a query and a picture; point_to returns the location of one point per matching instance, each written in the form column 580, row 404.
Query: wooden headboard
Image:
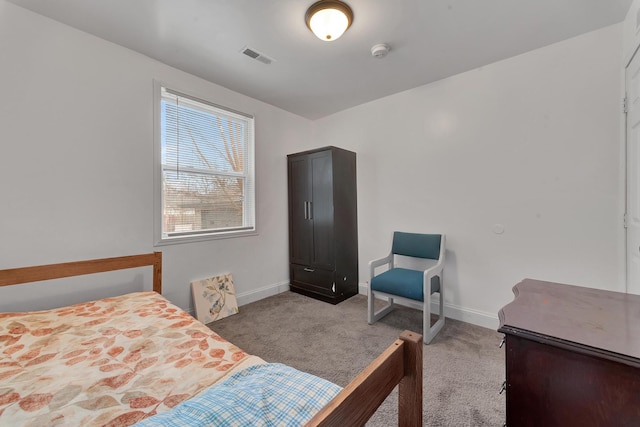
column 16, row 276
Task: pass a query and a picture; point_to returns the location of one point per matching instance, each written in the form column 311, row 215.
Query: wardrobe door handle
column 310, row 210
column 306, row 215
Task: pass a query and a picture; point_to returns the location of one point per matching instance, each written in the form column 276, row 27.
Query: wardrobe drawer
column 313, row 279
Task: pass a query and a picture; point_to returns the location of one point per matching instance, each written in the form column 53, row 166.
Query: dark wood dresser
column 572, row 356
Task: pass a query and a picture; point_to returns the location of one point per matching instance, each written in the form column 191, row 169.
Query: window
column 206, row 174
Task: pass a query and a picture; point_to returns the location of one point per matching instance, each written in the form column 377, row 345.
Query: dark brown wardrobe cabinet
column 323, row 224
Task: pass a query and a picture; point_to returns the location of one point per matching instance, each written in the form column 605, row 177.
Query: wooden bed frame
column 400, row 364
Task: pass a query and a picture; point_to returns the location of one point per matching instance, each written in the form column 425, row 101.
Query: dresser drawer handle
column 310, row 270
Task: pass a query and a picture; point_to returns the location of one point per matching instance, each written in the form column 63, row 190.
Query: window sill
column 204, row 237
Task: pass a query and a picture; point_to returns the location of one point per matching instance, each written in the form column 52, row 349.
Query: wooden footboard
column 400, row 363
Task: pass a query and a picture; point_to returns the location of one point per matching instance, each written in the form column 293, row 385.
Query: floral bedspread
column 109, row 362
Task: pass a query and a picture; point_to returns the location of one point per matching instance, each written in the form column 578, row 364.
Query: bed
column 137, row 358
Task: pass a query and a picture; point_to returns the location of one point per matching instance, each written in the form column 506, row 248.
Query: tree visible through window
column 207, row 168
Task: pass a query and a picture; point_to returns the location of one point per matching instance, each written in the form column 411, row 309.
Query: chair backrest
column 416, row 245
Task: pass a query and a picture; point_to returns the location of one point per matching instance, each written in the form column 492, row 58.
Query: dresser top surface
column 604, row 320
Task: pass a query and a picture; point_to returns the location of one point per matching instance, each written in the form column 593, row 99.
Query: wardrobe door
column 321, row 210
column 300, row 227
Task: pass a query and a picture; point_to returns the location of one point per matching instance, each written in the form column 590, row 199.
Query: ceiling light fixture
column 329, row 19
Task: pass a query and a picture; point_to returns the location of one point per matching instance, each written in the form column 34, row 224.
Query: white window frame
column 250, row 188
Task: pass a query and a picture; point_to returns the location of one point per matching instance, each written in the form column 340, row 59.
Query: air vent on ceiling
column 254, row 54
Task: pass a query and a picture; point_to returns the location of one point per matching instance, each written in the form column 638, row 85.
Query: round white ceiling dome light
column 329, row 19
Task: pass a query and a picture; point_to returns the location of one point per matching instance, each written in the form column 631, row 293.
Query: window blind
column 208, row 183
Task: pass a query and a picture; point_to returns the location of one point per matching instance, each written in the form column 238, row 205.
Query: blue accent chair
column 410, row 284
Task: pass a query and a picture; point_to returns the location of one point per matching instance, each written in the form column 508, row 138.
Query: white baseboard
column 261, row 293
column 476, row 317
column 451, row 311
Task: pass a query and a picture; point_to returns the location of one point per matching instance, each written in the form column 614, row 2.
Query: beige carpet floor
column 463, row 366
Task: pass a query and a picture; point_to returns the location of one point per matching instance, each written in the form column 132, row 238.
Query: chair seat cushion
column 403, row 283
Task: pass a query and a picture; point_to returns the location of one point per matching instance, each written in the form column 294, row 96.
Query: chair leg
column 370, row 307
column 426, row 318
column 429, row 332
column 374, row 316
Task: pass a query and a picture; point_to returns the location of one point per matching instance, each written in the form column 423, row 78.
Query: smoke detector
column 380, row 50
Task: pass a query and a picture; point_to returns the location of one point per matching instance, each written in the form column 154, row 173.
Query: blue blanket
column 266, row 395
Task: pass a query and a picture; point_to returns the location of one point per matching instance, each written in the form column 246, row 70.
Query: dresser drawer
column 313, row 279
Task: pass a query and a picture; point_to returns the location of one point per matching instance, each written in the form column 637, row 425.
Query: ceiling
column 429, row 39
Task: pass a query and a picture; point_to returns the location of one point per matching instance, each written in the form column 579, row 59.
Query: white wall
column 631, row 42
column 76, row 169
column 531, row 143
column 631, row 26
